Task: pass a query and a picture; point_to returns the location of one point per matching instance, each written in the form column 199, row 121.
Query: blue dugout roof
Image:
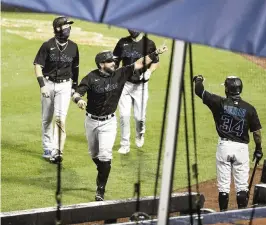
column 235, row 25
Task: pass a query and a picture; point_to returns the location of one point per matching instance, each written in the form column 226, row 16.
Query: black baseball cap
column 60, row 21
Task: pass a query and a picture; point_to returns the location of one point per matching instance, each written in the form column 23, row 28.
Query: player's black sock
column 103, row 173
column 223, row 201
column 242, row 199
column 104, row 168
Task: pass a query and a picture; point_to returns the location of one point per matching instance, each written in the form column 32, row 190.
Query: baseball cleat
column 139, row 141
column 46, row 154
column 99, row 197
column 124, row 150
column 99, row 194
column 56, row 159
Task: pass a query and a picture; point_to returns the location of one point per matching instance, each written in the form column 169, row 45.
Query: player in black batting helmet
column 105, row 56
column 103, row 87
column 234, row 119
column 233, row 86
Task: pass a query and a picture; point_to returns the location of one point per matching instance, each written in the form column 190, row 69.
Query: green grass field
column 30, row 182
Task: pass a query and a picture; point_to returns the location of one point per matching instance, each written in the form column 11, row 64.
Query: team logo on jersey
column 235, row 111
column 63, row 58
column 131, row 54
column 102, row 89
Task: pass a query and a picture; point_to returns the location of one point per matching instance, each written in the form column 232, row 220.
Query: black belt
column 57, row 80
column 100, row 118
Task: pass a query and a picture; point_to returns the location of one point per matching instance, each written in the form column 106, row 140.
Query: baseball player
column 104, row 87
column 57, row 69
column 234, row 118
column 135, row 93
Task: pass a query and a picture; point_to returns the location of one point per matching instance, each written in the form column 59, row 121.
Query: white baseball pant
column 101, row 137
column 136, row 95
column 56, row 105
column 238, row 154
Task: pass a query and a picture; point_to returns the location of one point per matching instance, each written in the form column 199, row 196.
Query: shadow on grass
column 69, row 186
column 80, row 138
column 24, row 149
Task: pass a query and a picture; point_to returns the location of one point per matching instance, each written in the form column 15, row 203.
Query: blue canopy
column 236, row 25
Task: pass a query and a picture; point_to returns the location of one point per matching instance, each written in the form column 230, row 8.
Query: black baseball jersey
column 57, row 61
column 234, row 118
column 103, row 92
column 130, row 51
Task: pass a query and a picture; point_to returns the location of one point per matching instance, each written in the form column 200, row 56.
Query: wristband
column 74, row 85
column 41, row 81
column 77, row 99
column 153, row 56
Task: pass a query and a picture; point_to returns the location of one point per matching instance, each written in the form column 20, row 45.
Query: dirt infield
column 257, row 60
column 210, row 192
column 42, row 30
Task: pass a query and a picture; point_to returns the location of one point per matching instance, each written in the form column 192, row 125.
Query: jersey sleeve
column 152, row 48
column 127, row 71
column 211, row 100
column 254, row 122
column 84, row 86
column 41, row 55
column 76, row 58
column 75, row 66
column 118, row 52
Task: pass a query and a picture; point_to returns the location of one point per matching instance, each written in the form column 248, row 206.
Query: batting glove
column 258, row 154
column 45, row 92
column 81, row 104
column 147, row 74
column 198, row 78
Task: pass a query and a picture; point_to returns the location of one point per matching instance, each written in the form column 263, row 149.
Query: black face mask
column 133, row 33
column 63, row 35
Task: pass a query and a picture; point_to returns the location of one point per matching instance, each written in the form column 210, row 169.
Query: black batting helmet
column 60, row 21
column 233, row 85
column 103, row 57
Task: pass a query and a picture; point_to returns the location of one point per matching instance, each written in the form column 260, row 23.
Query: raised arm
column 199, row 88
column 148, row 59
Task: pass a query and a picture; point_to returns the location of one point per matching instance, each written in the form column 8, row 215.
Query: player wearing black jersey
column 135, row 93
column 103, row 87
column 57, row 69
column 234, row 118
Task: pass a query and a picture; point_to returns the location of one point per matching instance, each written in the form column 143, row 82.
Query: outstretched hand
column 198, row 78
column 163, row 48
